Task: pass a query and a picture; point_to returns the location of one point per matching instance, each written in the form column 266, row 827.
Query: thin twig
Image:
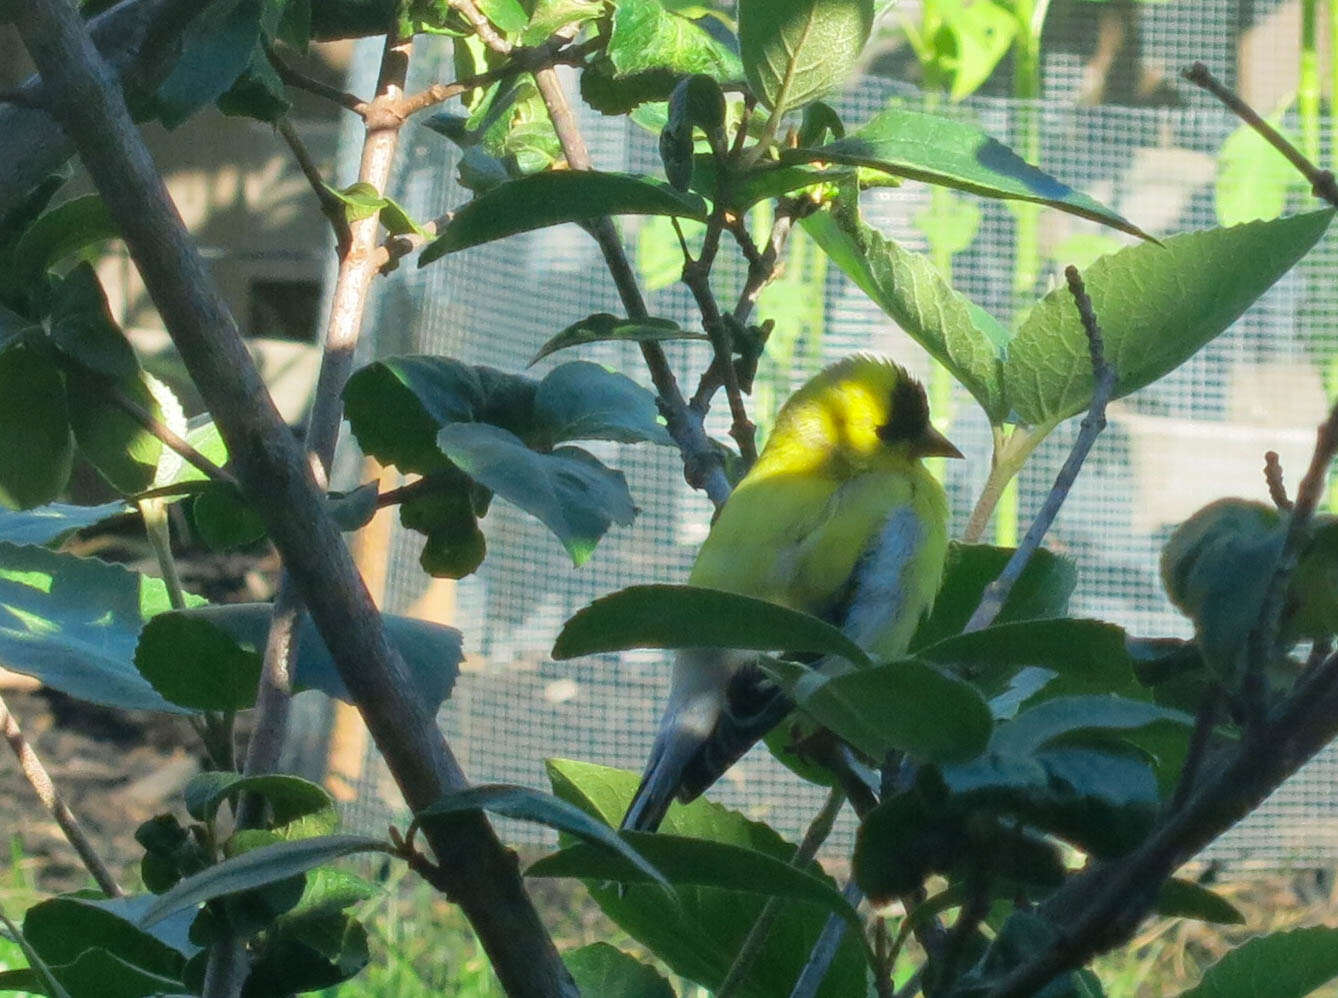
column 1103, row 383
column 167, row 435
column 703, row 466
column 1199, row 740
column 1322, row 183
column 1262, row 644
column 824, row 950
column 40, row 780
column 1277, row 487
column 331, row 207
column 301, row 81
column 816, row 834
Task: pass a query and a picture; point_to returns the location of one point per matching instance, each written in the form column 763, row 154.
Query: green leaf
column 698, row 930
column 663, row 616
column 216, row 49
column 938, row 150
column 551, row 15
column 83, row 329
column 35, row 449
column 53, row 522
column 98, row 972
column 259, row 92
column 584, row 401
column 289, row 797
column 905, row 706
column 308, row 955
column 266, row 865
column 47, row 631
column 508, row 15
column 1281, row 965
column 645, row 37
column 196, row 665
column 795, row 51
column 1081, row 656
column 224, row 519
column 525, row 804
column 123, row 451
column 1185, row 899
column 1253, row 178
column 354, row 510
column 1157, row 306
column 361, row 200
column 744, row 188
column 432, row 652
column 1042, row 591
column 61, row 928
column 569, row 490
column 603, row 327
column 696, row 863
column 958, row 333
column 65, row 230
column 604, row 970
column 544, row 199
column 1035, row 728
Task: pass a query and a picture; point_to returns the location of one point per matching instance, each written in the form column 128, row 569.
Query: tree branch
column 300, row 81
column 168, row 436
column 1321, row 182
column 281, row 486
column 1277, row 487
column 40, row 780
column 1103, row 383
column 331, row 207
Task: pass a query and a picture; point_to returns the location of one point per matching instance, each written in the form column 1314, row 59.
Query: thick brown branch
column 280, row 484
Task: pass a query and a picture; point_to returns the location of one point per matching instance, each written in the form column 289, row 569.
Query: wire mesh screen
column 1198, row 434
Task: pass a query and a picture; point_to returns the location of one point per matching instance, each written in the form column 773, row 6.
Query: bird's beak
column 932, row 443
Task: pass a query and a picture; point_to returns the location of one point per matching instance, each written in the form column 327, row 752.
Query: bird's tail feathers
column 674, row 748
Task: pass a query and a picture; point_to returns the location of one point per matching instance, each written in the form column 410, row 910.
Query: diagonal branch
column 280, row 484
column 1103, row 383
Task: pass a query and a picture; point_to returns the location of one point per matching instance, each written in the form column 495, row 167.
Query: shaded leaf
column 602, row 327
column 938, row 150
column 61, row 928
column 1280, row 965
column 124, row 452
column 1038, row 726
column 98, row 972
column 604, row 970
column 584, row 401
column 289, row 797
column 1185, row 899
column 65, row 230
column 698, row 930
column 525, row 804
column 35, row 448
column 266, row 865
column 216, row 49
column 224, row 519
column 905, row 706
column 543, row 199
column 1157, row 306
column 53, row 522
column 196, row 665
column 83, row 329
column 663, row 616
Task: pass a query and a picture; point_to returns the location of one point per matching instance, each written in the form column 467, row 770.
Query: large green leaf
column 584, row 401
column 697, row 931
column 432, row 652
column 525, row 804
column 83, row 329
column 645, row 37
column 53, row 522
column 1281, row 965
column 1080, row 656
column 123, row 451
column 569, row 490
column 1064, row 717
column 1157, row 306
column 664, row 616
column 907, row 286
column 550, row 15
column 938, row 150
column 196, row 665
column 99, row 972
column 1253, row 178
column 795, row 51
column 551, row 198
column 1042, row 591
column 35, row 447
column 61, row 928
column 602, row 327
column 73, row 623
column 604, row 970
column 257, row 868
column 905, row 706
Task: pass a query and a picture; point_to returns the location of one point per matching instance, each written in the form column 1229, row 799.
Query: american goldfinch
column 838, row 518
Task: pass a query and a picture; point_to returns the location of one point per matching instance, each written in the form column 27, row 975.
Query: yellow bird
column 838, row 518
